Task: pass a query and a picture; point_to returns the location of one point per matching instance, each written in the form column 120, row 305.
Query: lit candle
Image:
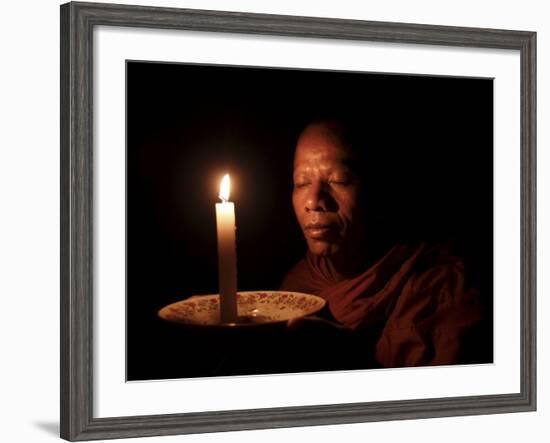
column 227, row 254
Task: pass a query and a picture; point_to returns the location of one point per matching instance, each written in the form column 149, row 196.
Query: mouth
column 318, row 231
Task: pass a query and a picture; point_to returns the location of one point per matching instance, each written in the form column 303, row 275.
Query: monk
column 407, row 304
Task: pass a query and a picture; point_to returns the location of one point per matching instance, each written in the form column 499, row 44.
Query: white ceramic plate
column 253, row 308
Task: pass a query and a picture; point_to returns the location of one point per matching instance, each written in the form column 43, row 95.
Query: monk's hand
column 314, row 322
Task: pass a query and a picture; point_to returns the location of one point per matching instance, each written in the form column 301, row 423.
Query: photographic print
column 292, row 221
column 360, row 225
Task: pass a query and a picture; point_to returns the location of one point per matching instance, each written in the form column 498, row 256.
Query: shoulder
column 438, row 284
column 438, row 253
column 437, row 312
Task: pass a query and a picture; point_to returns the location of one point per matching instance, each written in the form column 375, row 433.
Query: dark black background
column 187, row 125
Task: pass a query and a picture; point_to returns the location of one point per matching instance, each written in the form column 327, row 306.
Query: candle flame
column 224, row 188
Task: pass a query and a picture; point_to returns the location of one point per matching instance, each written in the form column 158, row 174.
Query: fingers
column 313, row 322
column 295, row 322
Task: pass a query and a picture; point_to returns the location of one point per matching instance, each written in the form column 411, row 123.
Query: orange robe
column 414, row 301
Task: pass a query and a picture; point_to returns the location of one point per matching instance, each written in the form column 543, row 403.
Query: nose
column 316, row 199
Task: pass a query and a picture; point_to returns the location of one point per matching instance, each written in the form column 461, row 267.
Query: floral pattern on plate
column 253, row 307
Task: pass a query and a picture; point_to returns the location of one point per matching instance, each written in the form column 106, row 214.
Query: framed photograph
column 273, row 221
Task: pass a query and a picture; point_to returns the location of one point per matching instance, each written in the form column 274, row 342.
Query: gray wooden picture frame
column 77, row 23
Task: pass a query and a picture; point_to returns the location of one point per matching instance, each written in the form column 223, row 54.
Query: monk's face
column 326, row 192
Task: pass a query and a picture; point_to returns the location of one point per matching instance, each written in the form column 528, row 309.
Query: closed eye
column 345, row 182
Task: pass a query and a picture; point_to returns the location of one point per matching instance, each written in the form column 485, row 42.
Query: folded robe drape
column 414, row 299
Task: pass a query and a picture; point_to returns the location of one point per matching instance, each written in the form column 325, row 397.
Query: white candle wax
column 227, row 257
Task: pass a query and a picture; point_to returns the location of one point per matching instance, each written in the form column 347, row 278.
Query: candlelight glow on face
column 224, row 188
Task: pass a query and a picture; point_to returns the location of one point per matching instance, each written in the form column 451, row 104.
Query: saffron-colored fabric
column 414, row 300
